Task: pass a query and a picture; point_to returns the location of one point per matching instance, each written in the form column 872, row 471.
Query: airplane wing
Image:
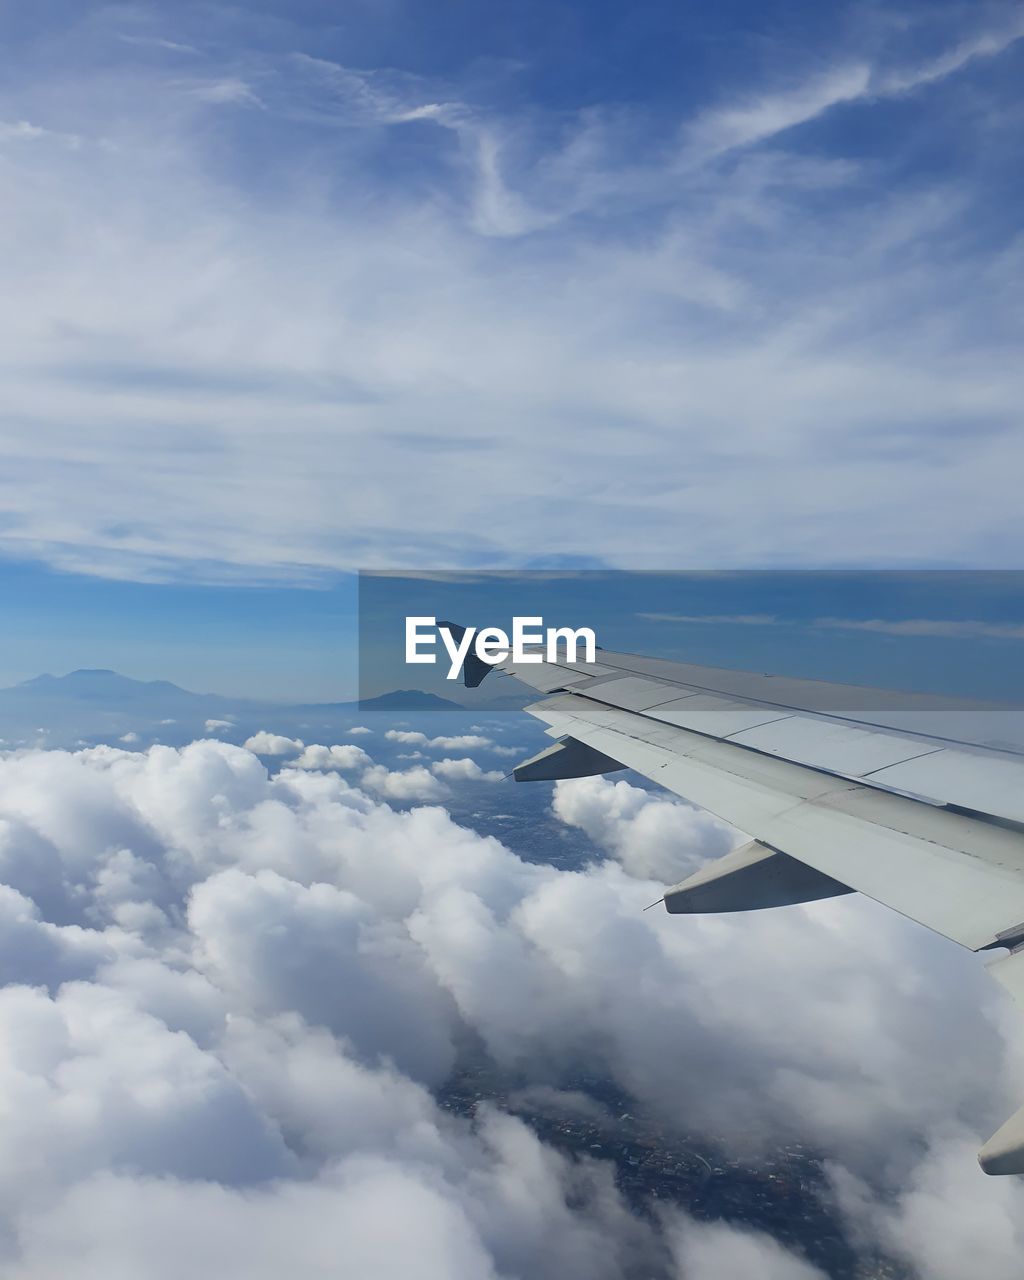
column 915, row 801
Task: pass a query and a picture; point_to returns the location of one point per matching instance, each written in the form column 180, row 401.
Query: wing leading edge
column 915, row 801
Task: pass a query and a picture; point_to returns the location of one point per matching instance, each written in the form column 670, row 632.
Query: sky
column 956, row 632
column 294, row 290
column 304, row 288
column 953, row 632
column 278, row 641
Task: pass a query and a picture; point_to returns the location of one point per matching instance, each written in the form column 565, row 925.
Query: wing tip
column 1004, row 1152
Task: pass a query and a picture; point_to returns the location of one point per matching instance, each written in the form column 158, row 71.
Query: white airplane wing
column 915, row 801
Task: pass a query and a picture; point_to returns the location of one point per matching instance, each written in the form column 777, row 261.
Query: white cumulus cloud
column 342, row 755
column 654, row 836
column 226, row 998
column 272, row 744
column 451, row 742
column 464, row 770
column 415, row 783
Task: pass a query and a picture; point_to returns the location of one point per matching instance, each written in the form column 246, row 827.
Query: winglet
column 568, row 758
column 474, row 669
column 1004, row 1151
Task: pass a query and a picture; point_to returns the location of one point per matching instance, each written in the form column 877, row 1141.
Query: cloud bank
column 228, row 996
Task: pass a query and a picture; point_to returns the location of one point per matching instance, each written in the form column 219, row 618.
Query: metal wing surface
column 914, row 800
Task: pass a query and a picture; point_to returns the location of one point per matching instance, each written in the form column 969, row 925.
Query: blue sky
column 956, row 632
column 298, row 289
column 286, row 643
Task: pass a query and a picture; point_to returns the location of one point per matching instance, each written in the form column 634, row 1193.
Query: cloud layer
column 227, row 997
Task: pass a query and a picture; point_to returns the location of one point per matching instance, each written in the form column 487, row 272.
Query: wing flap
column 957, row 875
column 568, row 758
column 751, row 878
column 985, row 780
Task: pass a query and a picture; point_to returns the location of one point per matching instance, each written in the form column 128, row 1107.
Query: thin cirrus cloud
column 942, row 628
column 945, row 628
column 733, row 619
column 725, row 128
column 234, row 303
column 764, row 117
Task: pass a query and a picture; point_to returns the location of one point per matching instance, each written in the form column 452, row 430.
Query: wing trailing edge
column 568, row 758
column 751, row 878
column 915, row 801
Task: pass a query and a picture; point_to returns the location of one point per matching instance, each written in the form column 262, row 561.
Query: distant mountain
column 98, row 705
column 408, row 700
column 96, row 684
column 507, row 701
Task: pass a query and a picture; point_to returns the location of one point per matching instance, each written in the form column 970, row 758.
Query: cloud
column 215, row 726
column 654, row 837
column 343, row 755
column 417, row 783
column 946, row 628
column 987, row 44
column 229, row 91
column 226, row 997
column 157, row 42
column 259, row 937
column 359, row 729
column 293, row 1230
column 918, row 1225
column 25, row 131
column 716, row 619
column 454, row 742
column 724, row 285
column 712, row 1251
column 464, row 770
column 272, row 744
column 20, row 129
column 764, row 117
column 158, row 1091
column 125, row 1091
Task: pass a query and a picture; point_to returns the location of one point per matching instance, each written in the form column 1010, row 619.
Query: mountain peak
column 408, row 699
column 96, row 682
